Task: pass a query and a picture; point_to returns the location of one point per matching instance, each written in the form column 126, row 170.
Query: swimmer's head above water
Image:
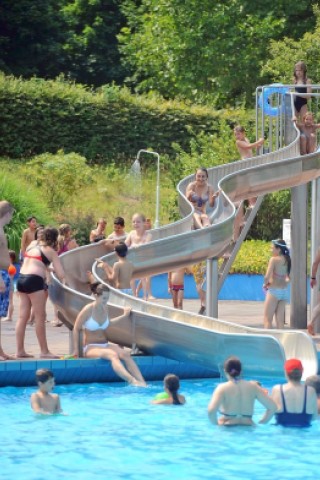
column 233, row 367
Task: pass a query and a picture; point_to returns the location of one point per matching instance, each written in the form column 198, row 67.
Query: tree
column 91, row 45
column 31, row 37
column 204, row 50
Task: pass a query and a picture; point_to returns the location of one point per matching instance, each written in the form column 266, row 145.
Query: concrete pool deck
column 243, row 313
column 21, row 372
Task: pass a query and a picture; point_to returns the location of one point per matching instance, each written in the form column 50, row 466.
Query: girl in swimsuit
column 199, row 193
column 94, row 319
column 235, row 399
column 308, row 136
column 138, row 236
column 276, row 282
column 300, row 80
column 31, row 286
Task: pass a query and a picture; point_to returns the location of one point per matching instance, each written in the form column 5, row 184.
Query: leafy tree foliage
column 203, row 49
column 285, row 53
column 31, row 37
column 91, row 46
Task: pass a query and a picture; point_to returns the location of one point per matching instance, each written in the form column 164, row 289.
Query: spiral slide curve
column 184, row 336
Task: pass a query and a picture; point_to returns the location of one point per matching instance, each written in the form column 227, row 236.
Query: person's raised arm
column 215, row 403
column 126, row 313
column 242, row 144
column 189, row 191
column 212, row 196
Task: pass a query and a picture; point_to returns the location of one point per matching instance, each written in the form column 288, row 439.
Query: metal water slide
column 180, row 335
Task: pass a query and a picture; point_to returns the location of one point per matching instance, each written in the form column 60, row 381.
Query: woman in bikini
column 138, row 236
column 235, row 399
column 199, row 193
column 32, row 286
column 94, row 319
column 276, row 282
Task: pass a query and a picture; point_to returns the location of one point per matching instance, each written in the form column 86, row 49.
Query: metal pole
column 298, row 313
column 212, row 288
column 315, row 240
column 156, row 222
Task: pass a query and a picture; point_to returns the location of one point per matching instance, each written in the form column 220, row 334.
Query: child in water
column 43, row 401
column 171, row 386
column 308, row 129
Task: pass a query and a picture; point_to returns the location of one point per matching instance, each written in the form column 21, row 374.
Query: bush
column 40, row 116
column 26, row 201
column 253, row 258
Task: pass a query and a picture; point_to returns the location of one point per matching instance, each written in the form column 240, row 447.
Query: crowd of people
column 232, row 403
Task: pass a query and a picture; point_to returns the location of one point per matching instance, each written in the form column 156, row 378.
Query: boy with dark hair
column 28, row 235
column 121, row 272
column 43, row 401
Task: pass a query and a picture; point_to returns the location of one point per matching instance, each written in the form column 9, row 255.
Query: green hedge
column 38, row 116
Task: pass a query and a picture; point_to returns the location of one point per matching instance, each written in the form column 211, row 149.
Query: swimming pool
column 112, row 432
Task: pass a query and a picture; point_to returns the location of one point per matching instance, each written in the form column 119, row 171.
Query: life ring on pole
column 265, row 99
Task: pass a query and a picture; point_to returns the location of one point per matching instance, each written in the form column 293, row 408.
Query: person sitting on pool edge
column 297, row 403
column 314, row 381
column 171, row 386
column 234, row 399
column 94, row 320
column 43, row 401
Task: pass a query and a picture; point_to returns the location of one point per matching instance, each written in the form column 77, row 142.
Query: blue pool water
column 113, row 432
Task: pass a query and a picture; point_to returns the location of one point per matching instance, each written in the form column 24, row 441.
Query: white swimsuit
column 92, row 325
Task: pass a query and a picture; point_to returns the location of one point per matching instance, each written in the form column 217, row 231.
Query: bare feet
column 137, row 383
column 151, row 297
column 4, row 357
column 6, row 319
column 310, row 329
column 24, row 355
column 48, row 355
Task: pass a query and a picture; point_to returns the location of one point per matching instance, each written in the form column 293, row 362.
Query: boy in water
column 43, row 401
column 6, row 212
column 28, row 235
column 121, row 272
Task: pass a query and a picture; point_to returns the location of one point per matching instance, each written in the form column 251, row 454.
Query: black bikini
column 300, row 101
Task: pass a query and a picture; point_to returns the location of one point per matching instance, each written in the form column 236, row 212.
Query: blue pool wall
column 236, row 287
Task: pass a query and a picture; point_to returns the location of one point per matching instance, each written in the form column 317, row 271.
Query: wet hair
column 43, row 375
column 303, row 67
column 232, row 366
column 281, row 244
column 121, row 249
column 98, row 288
column 314, row 381
column 204, row 170
column 240, row 129
column 32, row 217
column 295, row 375
column 5, row 207
column 13, row 256
column 119, row 221
column 50, row 237
column 172, row 383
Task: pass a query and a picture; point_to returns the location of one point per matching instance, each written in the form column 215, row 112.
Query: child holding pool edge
column 171, row 384
column 43, row 401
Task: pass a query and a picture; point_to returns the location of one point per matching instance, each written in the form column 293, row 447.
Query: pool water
column 113, row 432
